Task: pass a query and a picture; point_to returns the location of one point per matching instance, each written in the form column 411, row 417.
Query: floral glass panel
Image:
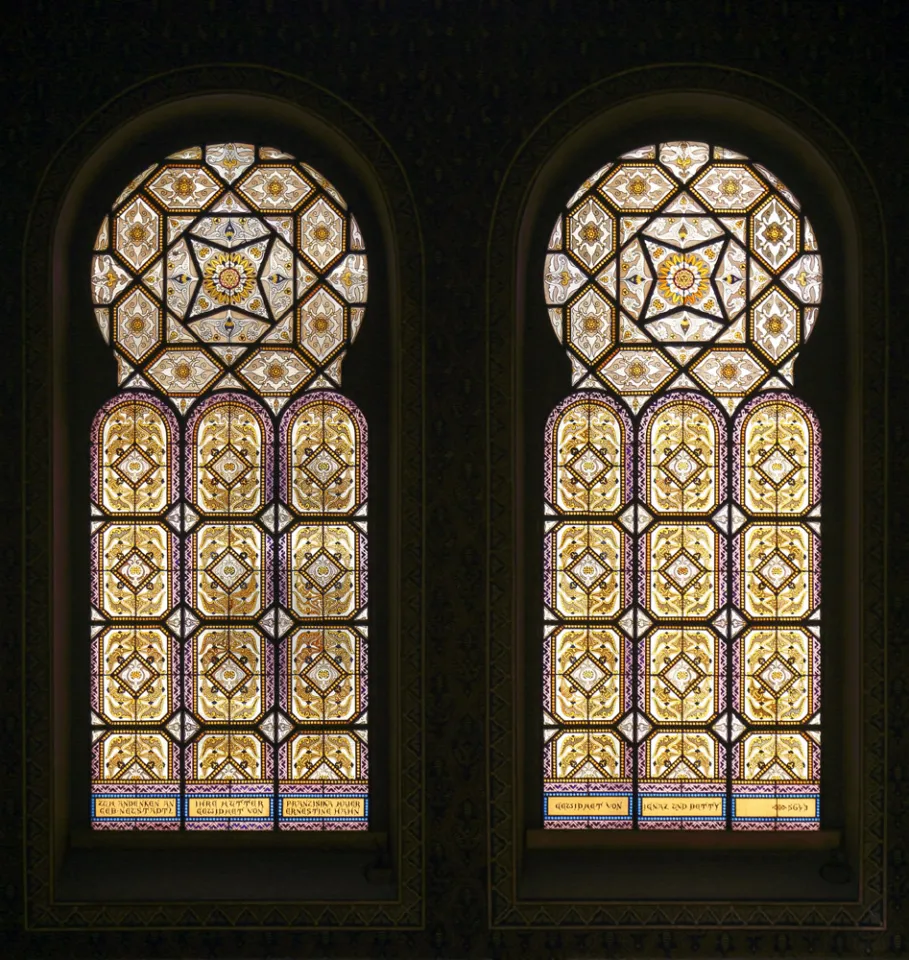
column 229, row 493
column 681, row 657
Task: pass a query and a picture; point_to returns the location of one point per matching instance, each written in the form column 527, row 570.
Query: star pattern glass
column 682, row 502
column 229, row 536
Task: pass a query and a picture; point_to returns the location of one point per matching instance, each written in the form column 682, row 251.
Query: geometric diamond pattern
column 776, row 675
column 323, row 673
column 682, row 279
column 588, row 570
column 682, row 674
column 229, row 277
column 135, row 570
column 136, row 674
column 683, row 465
column 230, row 466
column 776, row 571
column 683, row 570
column 228, row 674
column 229, row 569
column 588, row 466
column 134, row 467
column 776, row 467
column 587, row 674
column 323, row 571
column 322, row 467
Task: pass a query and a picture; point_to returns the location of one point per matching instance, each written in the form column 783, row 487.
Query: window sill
column 705, row 840
column 101, row 866
column 86, row 838
column 685, row 866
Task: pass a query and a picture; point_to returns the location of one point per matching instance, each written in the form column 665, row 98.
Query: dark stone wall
column 455, row 88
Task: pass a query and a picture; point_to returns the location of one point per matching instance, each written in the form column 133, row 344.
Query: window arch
column 229, row 525
column 682, row 545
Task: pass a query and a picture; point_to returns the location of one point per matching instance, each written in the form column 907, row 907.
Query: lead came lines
column 682, row 277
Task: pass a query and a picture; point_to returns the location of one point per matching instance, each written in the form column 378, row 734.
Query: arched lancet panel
column 323, row 484
column 682, row 556
column 587, row 657
column 229, row 660
column 135, row 587
column 683, row 279
column 777, row 652
column 684, row 456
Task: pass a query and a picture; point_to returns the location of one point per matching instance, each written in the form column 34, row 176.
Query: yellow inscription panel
column 229, row 807
column 136, row 807
column 324, row 807
column 776, row 807
column 681, row 806
column 587, row 806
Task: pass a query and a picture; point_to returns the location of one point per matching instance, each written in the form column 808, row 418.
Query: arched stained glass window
column 229, row 494
column 681, row 657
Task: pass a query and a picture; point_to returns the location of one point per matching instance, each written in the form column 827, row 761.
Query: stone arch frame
column 258, row 99
column 602, row 120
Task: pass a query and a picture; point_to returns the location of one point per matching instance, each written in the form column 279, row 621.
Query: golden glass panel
column 228, row 569
column 777, row 579
column 587, row 755
column 228, row 755
column 777, row 442
column 682, row 755
column 589, row 441
column 136, row 755
column 325, row 574
column 135, row 561
column 327, row 757
column 776, row 756
column 323, row 674
column 228, row 460
column 135, row 469
column 682, row 670
column 682, row 461
column 588, row 669
column 228, row 666
column 589, row 574
column 135, row 672
column 682, row 570
column 777, row 675
column 324, row 440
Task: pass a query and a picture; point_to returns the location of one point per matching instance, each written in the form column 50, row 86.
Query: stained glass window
column 229, row 495
column 681, row 654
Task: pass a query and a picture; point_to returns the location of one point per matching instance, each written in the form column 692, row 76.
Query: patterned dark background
column 455, row 88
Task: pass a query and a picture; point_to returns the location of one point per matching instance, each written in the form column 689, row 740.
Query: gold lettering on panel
column 587, row 806
column 776, row 807
column 681, row 806
column 328, row 807
column 228, row 807
column 136, row 807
